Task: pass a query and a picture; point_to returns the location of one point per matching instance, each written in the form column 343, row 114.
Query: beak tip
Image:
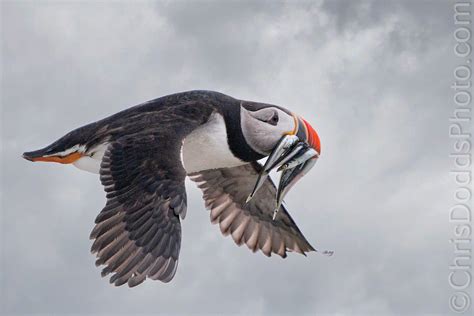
column 312, row 136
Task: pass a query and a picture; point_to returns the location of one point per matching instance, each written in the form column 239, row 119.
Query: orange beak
column 64, row 160
column 312, row 137
column 306, row 132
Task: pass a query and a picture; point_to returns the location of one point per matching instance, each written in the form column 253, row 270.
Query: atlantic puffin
column 143, row 155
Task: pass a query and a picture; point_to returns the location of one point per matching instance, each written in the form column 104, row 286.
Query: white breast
column 207, row 148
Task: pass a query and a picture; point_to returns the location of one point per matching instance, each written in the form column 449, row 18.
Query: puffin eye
column 273, row 120
column 267, row 115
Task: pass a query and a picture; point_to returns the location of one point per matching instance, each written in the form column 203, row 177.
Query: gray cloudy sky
column 372, row 77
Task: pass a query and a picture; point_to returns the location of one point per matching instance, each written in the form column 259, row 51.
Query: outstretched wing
column 138, row 233
column 225, row 192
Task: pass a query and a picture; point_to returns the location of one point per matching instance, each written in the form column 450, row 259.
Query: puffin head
column 290, row 142
column 263, row 125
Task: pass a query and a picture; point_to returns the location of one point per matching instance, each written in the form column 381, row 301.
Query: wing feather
column 225, row 191
column 140, row 223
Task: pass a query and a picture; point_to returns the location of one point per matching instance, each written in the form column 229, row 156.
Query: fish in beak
column 294, row 155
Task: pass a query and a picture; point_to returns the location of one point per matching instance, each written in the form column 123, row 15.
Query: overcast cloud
column 372, row 77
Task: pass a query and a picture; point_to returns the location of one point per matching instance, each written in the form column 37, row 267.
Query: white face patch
column 261, row 135
column 207, row 147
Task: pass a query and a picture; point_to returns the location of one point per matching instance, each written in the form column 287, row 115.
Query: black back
column 195, row 106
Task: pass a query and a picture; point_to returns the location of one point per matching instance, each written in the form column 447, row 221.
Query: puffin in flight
column 143, row 155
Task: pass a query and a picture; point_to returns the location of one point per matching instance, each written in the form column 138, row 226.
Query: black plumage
column 138, row 233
